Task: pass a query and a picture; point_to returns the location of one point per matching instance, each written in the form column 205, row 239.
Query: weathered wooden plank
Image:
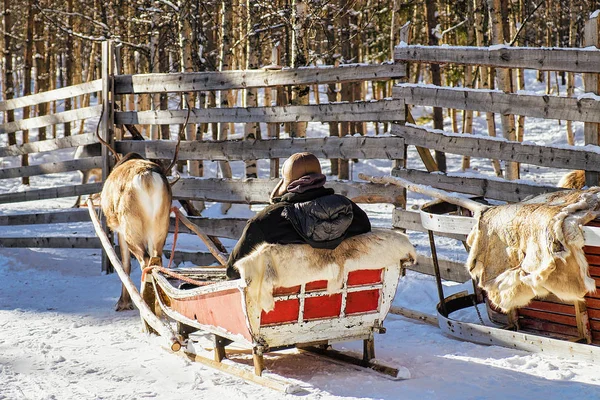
column 68, row 242
column 52, row 168
column 411, row 220
column 227, row 80
column 585, row 109
column 51, row 193
column 496, row 189
column 591, row 84
column 48, row 145
column 196, row 258
column 496, row 148
column 544, row 59
column 383, row 110
column 256, row 191
column 55, row 217
column 449, row 270
column 363, row 147
column 51, row 119
column 230, row 228
column 56, row 94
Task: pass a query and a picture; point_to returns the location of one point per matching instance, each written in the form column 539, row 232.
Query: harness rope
column 168, row 271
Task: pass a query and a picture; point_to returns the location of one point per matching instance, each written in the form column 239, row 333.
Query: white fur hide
column 534, row 248
column 275, row 265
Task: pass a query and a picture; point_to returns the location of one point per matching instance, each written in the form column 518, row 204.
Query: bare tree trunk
column 251, row 130
column 41, row 78
column 571, row 75
column 345, row 88
column 28, row 59
column 436, row 76
column 300, row 94
column 68, row 63
column 223, row 97
column 8, row 86
column 503, row 77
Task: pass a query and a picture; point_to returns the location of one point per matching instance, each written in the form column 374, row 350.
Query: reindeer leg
column 85, row 176
column 124, row 302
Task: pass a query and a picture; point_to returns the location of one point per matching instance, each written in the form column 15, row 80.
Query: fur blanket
column 533, row 248
column 276, row 265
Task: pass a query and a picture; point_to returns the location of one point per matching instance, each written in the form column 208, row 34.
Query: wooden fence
column 394, row 147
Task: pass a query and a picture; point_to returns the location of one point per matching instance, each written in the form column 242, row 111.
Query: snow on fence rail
column 229, row 80
column 529, row 105
column 543, row 59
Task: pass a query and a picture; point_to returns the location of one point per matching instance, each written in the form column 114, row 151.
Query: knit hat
column 295, row 167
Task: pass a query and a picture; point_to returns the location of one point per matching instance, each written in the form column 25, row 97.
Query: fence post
column 273, row 129
column 107, row 126
column 591, row 85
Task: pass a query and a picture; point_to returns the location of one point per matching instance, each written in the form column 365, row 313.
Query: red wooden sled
column 304, row 315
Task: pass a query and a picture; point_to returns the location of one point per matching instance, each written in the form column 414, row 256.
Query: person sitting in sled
column 302, row 211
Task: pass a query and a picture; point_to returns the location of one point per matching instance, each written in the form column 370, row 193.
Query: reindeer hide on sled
column 533, row 248
column 277, row 265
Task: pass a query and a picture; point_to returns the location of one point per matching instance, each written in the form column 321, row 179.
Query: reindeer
column 95, row 150
column 136, row 201
column 89, row 150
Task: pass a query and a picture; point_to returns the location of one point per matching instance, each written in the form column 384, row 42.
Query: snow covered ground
column 61, row 339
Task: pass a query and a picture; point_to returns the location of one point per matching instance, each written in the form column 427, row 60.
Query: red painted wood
column 223, row 308
column 364, row 277
column 591, row 250
column 286, row 311
column 595, row 325
column 547, row 328
column 322, row 306
column 594, row 222
column 592, row 303
column 594, row 270
column 315, row 285
column 593, row 259
column 363, row 301
column 550, row 317
column 543, row 305
column 593, row 313
column 280, row 291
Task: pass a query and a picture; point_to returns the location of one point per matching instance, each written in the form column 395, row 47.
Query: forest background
column 49, row 44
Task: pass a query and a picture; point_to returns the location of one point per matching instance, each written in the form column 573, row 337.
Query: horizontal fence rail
column 230, row 228
column 256, row 191
column 51, row 119
column 52, row 95
column 496, row 189
column 52, row 242
column 383, row 110
column 52, row 168
column 537, row 106
column 543, row 59
column 228, row 80
column 55, row 217
column 51, row 193
column 48, row 145
column 364, row 147
column 496, row 148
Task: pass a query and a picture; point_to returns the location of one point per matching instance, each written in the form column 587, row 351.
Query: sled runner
column 307, row 316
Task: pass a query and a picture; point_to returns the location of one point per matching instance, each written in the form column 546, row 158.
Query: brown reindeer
column 136, row 200
column 573, row 180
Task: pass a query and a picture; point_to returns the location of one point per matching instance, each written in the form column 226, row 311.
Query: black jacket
column 317, row 217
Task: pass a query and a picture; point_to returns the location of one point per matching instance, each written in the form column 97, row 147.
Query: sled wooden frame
column 223, row 310
column 434, row 218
